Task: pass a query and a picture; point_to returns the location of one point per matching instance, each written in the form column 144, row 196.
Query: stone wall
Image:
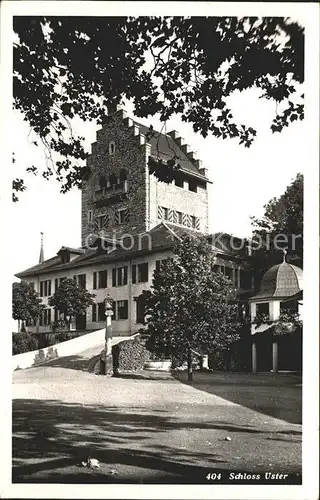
column 130, row 155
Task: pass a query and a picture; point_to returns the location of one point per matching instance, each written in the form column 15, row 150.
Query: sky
column 244, row 179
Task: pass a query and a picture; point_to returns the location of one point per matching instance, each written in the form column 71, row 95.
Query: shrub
column 130, row 355
column 24, row 342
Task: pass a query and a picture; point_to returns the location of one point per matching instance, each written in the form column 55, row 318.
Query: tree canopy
column 26, row 304
column 281, row 227
column 78, row 67
column 190, row 306
column 71, row 299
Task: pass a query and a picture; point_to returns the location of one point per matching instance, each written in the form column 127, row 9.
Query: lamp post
column 108, row 366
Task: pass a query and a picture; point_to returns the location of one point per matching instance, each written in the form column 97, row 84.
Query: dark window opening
column 80, row 280
column 94, row 312
column 193, row 186
column 143, row 272
column 140, row 310
column 103, row 279
column 120, row 276
column 179, row 182
column 122, row 309
column 101, row 310
column 45, row 318
column 263, row 308
column 45, row 288
column 289, row 306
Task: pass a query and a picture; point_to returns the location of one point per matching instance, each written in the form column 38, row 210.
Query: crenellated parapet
column 186, row 149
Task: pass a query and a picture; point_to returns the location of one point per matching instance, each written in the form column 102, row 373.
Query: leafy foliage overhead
column 71, row 299
column 77, row 67
column 190, row 305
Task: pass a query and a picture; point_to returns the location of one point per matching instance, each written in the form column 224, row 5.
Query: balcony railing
column 108, row 193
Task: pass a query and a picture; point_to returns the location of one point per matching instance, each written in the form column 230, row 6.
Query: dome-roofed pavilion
column 281, row 281
column 281, row 290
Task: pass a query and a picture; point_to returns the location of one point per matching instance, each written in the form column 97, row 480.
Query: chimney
column 112, row 108
column 191, row 155
column 198, row 164
column 185, row 148
column 203, row 171
column 41, row 256
column 174, row 134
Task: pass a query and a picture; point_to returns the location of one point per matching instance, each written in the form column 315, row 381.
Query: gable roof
column 104, row 249
column 108, row 250
column 163, row 146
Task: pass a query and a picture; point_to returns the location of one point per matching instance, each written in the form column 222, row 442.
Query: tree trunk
column 190, row 377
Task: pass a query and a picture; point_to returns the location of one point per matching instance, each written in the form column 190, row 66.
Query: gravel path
column 144, row 428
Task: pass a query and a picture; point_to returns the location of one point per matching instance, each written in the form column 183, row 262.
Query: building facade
column 130, row 221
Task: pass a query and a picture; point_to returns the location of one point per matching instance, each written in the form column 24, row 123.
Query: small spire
column 284, row 254
column 41, row 257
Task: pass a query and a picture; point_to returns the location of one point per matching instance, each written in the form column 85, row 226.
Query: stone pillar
column 274, row 356
column 108, row 362
column 253, row 310
column 205, row 365
column 238, row 277
column 274, row 310
column 254, row 357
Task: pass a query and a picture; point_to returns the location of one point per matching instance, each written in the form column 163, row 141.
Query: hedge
column 24, row 342
column 130, row 355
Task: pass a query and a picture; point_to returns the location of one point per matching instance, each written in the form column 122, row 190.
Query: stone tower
column 122, row 196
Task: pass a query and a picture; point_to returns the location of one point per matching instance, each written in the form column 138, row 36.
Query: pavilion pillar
column 275, row 356
column 254, row 357
column 234, row 276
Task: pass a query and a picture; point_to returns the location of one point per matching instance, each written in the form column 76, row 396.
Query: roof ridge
column 171, row 230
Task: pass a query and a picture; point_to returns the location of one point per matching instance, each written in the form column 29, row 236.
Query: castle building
column 130, row 220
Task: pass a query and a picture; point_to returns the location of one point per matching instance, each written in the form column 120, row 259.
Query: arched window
column 112, row 147
column 123, row 175
column 113, row 179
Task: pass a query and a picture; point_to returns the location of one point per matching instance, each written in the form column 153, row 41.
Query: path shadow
column 145, row 375
column 74, row 362
column 279, row 396
column 51, row 438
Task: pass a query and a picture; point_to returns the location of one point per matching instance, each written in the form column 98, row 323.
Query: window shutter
column 125, row 307
column 49, row 290
column 85, row 281
column 125, row 276
column 158, row 262
column 120, row 276
column 56, row 284
column 94, row 312
column 114, row 308
column 75, row 278
column 94, row 281
column 41, row 288
column 114, row 277
column 134, row 273
column 145, row 272
column 49, row 313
